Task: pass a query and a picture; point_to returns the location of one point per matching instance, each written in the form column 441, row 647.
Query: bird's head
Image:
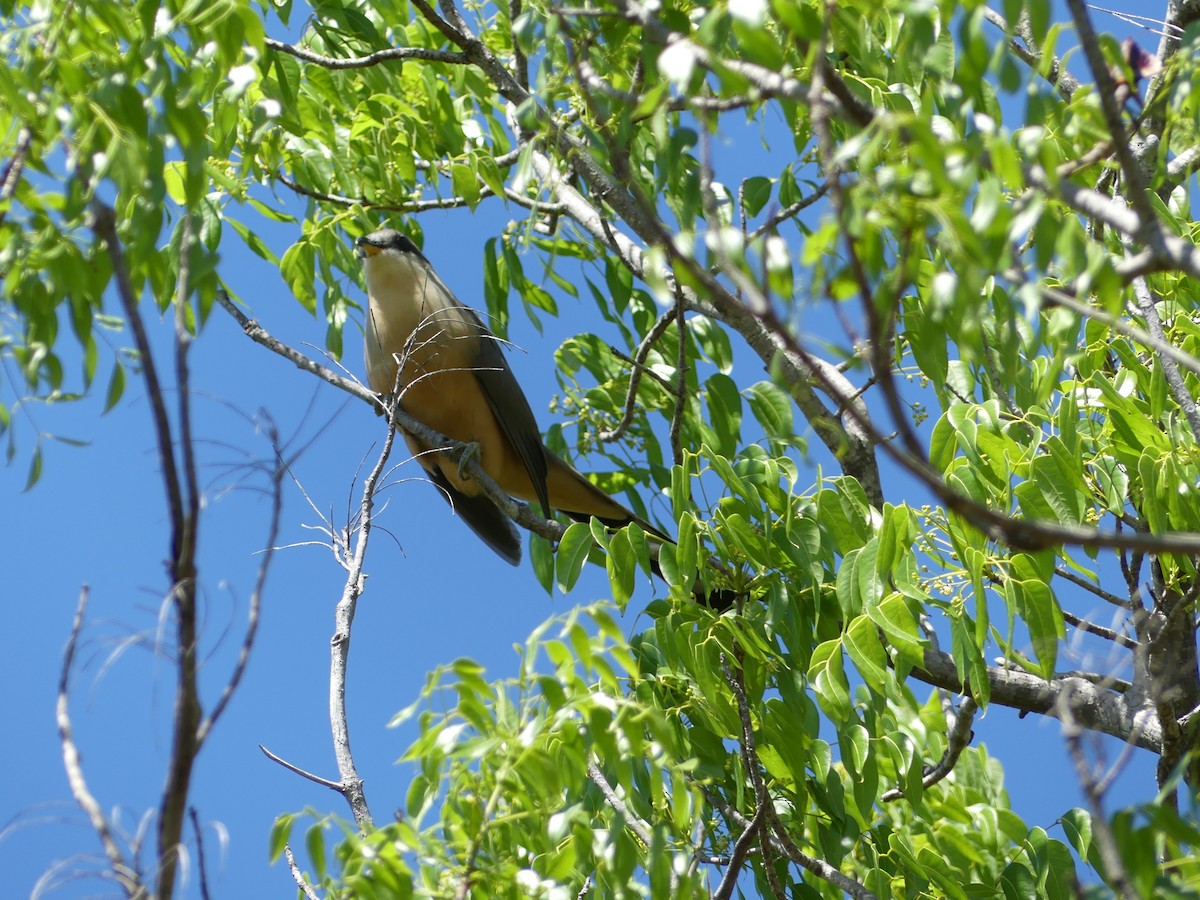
column 386, row 241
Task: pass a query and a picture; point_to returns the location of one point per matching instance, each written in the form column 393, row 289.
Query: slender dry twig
column 416, row 206
column 681, row 370
column 636, row 825
column 1159, row 344
column 1179, row 390
column 958, row 738
column 351, row 783
column 253, row 614
column 298, row 876
column 1104, row 595
column 762, row 802
column 187, row 714
column 737, row 858
column 13, row 169
column 371, row 59
column 1114, row 868
column 105, row 226
column 788, row 212
column 1031, row 54
column 303, row 773
column 124, row 874
column 851, row 444
column 1099, row 630
column 1135, row 179
column 201, row 863
column 818, row 867
column 657, row 330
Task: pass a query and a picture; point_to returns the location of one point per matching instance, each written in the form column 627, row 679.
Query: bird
column 447, row 370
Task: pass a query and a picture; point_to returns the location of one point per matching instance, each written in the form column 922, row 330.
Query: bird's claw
column 470, row 451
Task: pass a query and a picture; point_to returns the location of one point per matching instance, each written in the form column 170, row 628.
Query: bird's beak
column 365, row 249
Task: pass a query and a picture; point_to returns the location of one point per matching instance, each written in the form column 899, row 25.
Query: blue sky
column 434, row 592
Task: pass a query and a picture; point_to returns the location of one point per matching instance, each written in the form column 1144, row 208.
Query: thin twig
column 183, row 518
column 636, row 825
column 303, row 773
column 1135, row 180
column 1076, row 580
column 661, row 324
column 737, row 858
column 201, row 863
column 1114, row 868
column 105, row 227
column 184, row 533
column 681, row 371
column 1092, row 628
column 371, row 59
column 15, row 166
column 789, row 212
column 762, row 802
column 958, row 738
column 1179, row 390
column 298, row 876
column 253, row 614
column 126, row 877
column 1063, row 81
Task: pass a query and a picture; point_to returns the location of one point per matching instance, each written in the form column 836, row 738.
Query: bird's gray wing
column 483, row 517
column 511, row 409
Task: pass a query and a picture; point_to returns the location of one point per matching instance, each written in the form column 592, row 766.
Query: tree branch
column 298, row 876
column 1093, row 707
column 126, row 877
column 1031, row 54
column 657, row 330
column 958, row 738
column 256, row 595
column 1114, row 868
column 13, row 169
column 371, row 59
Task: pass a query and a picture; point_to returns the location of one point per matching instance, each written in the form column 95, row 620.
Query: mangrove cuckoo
column 454, row 378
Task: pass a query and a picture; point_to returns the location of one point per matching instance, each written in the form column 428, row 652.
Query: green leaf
column 899, row 626
column 1077, row 824
column 314, row 842
column 116, row 386
column 254, row 242
column 298, row 269
column 35, row 469
column 622, row 567
column 573, row 552
column 773, row 410
column 541, row 556
column 1018, row 883
column 281, row 835
column 725, row 413
column 828, row 676
column 756, row 191
column 687, row 550
column 465, row 183
column 866, row 650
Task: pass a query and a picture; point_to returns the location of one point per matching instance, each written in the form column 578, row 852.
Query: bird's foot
column 469, row 451
column 384, row 404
